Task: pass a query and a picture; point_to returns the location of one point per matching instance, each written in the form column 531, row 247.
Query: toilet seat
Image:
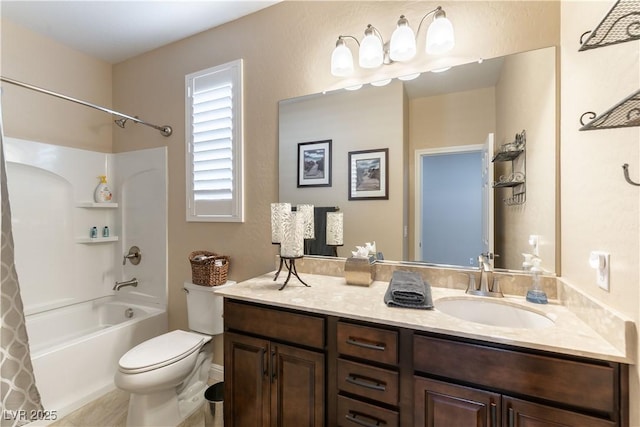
column 160, row 351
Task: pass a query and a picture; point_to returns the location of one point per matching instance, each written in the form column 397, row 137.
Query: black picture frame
column 314, row 164
column 369, row 174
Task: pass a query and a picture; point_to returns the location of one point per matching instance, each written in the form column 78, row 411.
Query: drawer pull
column 353, row 341
column 362, row 382
column 362, row 420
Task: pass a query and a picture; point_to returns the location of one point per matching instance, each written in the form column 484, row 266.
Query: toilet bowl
column 166, row 376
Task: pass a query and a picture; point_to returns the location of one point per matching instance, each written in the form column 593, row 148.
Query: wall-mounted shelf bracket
column 625, row 114
column 621, row 24
column 625, row 167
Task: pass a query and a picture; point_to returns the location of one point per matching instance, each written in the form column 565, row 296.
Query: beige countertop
column 332, row 296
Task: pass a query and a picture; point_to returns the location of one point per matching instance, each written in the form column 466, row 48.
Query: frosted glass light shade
column 370, row 54
column 278, row 211
column 292, row 245
column 309, row 227
column 335, row 226
column 341, row 60
column 440, row 37
column 402, row 46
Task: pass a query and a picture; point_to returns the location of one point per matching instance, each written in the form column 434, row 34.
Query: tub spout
column 133, row 282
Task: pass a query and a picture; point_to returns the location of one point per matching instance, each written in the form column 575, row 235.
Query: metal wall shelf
column 621, row 24
column 624, row 114
column 514, row 152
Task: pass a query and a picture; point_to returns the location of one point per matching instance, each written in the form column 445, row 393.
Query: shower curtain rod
column 164, row 130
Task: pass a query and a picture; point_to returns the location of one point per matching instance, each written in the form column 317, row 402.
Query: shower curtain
column 20, row 398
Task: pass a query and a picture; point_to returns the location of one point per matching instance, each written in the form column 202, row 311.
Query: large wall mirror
column 441, row 131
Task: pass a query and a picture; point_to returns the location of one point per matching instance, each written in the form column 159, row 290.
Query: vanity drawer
column 355, row 413
column 378, row 345
column 368, row 381
column 276, row 324
column 545, row 377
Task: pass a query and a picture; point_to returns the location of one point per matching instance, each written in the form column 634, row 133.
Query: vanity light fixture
column 373, row 51
column 382, row 82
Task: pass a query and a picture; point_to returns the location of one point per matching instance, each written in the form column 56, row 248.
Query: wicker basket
column 205, row 271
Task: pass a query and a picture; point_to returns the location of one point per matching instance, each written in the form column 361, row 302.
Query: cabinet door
column 520, row 413
column 439, row 404
column 247, row 387
column 297, row 391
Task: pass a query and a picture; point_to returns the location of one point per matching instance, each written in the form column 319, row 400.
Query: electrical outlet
column 600, row 261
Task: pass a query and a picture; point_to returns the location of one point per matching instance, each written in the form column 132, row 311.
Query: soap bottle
column 103, row 193
column 536, row 294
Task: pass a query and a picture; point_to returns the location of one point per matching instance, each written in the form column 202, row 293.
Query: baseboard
column 216, row 373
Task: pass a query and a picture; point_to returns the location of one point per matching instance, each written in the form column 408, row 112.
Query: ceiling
column 116, row 30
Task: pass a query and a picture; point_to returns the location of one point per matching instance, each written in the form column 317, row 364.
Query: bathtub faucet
column 133, row 282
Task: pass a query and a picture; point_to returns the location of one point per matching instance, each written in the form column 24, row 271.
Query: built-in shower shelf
column 97, row 205
column 95, row 240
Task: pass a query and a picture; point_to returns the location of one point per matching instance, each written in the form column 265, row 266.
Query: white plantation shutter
column 214, row 144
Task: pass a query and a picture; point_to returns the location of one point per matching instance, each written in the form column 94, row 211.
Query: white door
column 450, row 205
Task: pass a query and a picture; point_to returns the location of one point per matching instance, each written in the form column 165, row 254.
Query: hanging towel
column 407, row 289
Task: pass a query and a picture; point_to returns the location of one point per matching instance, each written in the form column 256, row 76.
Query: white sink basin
column 493, row 312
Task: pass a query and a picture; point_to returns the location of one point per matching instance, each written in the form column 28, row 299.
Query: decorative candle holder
column 278, row 212
column 335, row 231
column 292, row 245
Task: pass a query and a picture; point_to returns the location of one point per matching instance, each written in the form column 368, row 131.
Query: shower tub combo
column 75, row 349
column 77, row 323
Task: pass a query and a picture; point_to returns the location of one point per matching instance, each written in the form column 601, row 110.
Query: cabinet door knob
column 493, row 411
column 264, row 363
column 274, row 365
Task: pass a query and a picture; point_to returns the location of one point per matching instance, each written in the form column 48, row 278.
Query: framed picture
column 314, row 164
column 369, row 175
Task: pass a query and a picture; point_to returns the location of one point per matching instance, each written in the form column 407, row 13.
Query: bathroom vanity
column 336, row 355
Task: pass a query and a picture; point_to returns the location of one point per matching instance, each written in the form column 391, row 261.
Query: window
column 214, row 144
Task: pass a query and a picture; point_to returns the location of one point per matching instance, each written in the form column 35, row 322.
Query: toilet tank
column 204, row 308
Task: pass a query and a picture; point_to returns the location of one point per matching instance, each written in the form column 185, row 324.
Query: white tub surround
column 331, row 295
column 51, row 191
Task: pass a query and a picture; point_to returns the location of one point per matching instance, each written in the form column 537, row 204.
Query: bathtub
column 75, row 349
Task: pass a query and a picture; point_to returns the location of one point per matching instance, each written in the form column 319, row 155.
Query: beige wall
column 371, row 118
column 599, row 210
column 286, row 49
column 31, row 58
column 526, row 100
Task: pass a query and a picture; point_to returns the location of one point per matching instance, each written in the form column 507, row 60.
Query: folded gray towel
column 407, row 289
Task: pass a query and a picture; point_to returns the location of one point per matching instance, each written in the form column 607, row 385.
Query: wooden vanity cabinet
column 269, row 381
column 368, row 378
column 293, row 368
column 440, row 404
column 472, row 384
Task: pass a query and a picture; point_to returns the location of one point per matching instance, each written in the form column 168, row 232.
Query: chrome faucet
column 489, row 286
column 133, row 282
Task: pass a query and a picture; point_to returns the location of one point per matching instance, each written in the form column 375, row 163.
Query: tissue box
column 359, row 271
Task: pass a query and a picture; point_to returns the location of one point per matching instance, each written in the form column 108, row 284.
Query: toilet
column 166, row 376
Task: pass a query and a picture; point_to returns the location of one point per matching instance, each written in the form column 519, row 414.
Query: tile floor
column 110, row 410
